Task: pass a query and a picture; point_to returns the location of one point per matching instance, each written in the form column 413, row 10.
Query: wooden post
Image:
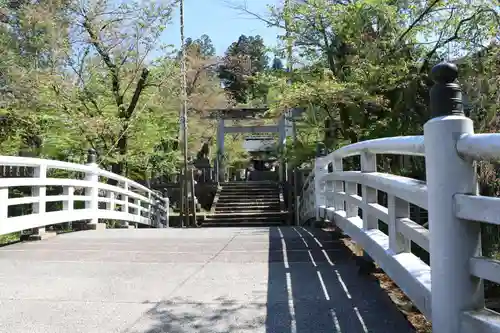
column 193, row 205
column 182, row 198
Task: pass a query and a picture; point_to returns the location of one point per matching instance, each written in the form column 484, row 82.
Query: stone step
column 248, row 194
column 219, row 208
column 251, row 194
column 247, row 219
column 249, row 205
column 248, row 208
column 251, row 182
column 240, row 203
column 229, row 224
column 247, row 215
column 249, row 191
column 248, row 200
column 249, row 185
column 240, row 189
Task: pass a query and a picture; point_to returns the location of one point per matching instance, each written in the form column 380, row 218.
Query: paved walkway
column 279, row 280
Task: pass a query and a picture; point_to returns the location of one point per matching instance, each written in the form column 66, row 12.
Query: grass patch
column 9, row 238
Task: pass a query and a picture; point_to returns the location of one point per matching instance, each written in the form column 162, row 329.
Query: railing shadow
column 181, row 316
column 314, row 286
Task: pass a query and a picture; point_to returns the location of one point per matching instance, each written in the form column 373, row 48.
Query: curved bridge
column 280, row 279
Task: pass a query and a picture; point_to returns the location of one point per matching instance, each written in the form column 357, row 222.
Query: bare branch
column 137, row 93
column 419, row 18
column 244, row 9
column 112, row 68
column 455, row 35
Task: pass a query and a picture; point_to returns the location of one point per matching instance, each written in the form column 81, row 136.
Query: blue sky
column 222, row 23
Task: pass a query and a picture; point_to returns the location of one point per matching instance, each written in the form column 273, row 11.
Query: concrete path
column 278, row 280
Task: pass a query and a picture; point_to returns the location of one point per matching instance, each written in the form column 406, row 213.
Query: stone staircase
column 245, row 204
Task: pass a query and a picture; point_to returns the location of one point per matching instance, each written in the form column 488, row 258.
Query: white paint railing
column 449, row 291
column 127, row 201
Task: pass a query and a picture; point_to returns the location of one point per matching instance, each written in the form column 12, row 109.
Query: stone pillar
column 281, row 145
column 318, row 187
column 453, row 241
column 220, row 149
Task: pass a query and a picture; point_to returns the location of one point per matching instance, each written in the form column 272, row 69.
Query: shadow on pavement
column 180, row 316
column 316, row 274
column 313, row 286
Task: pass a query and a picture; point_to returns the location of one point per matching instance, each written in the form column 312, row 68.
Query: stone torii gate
column 285, row 127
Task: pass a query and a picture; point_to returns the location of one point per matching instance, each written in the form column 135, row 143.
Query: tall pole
column 183, row 117
column 289, row 59
column 289, row 66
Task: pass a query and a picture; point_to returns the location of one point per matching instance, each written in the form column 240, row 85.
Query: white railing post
column 167, row 211
column 338, row 185
column 319, row 198
column 135, row 211
column 150, row 207
column 40, row 192
column 111, row 204
column 351, row 209
column 125, row 207
column 452, row 241
column 4, row 207
column 398, row 209
column 369, row 194
column 162, row 202
column 329, row 189
column 69, row 203
column 319, row 172
column 92, row 191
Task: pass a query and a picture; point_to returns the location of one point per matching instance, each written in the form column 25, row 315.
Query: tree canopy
column 242, row 61
column 79, row 75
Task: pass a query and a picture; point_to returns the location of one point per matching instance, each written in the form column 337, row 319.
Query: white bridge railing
column 449, row 291
column 65, row 185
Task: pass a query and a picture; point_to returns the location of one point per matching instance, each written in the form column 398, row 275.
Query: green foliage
column 364, row 64
column 79, row 75
column 202, row 46
column 243, row 60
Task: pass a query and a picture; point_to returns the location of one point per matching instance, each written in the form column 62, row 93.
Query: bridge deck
column 274, row 280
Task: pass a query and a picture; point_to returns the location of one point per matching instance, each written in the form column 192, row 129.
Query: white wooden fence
column 449, row 291
column 126, row 201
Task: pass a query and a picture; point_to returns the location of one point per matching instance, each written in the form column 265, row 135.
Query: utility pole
column 289, row 59
column 183, row 117
column 289, row 66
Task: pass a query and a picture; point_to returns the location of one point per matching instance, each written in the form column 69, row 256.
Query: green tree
column 33, row 40
column 277, row 64
column 378, row 55
column 201, row 47
column 114, row 84
column 242, row 61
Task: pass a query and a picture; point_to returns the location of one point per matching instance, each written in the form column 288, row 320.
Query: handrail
column 399, row 145
column 448, row 290
column 17, row 161
column 127, row 201
column 480, row 146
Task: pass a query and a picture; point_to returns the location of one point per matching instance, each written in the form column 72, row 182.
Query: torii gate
column 285, row 128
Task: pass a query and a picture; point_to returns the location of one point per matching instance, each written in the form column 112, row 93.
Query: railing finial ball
column 446, row 94
column 91, row 156
column 444, row 72
column 320, row 149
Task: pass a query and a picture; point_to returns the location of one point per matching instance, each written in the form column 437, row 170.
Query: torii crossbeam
column 284, row 127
